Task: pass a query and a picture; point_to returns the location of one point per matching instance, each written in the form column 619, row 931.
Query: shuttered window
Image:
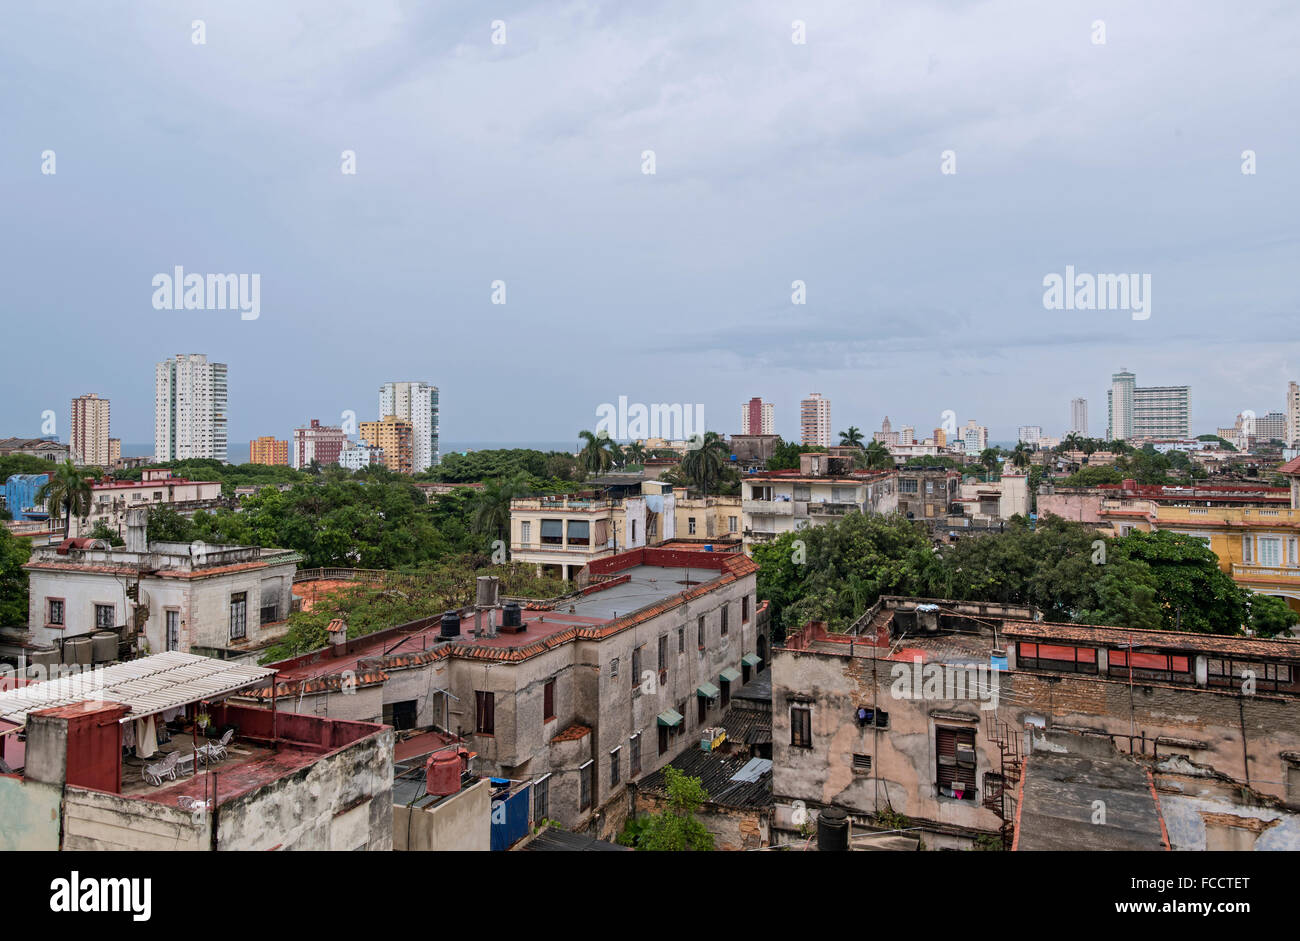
column 955, row 749
column 552, row 532
column 801, row 726
column 548, row 700
column 485, row 718
column 579, row 533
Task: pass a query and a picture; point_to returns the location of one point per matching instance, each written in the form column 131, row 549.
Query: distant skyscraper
column 756, row 417
column 268, row 450
column 394, row 437
column 1152, row 412
column 974, row 438
column 1292, row 414
column 317, row 442
column 1030, row 434
column 90, row 431
column 815, row 421
column 417, row 403
column 190, row 397
column 1079, row 417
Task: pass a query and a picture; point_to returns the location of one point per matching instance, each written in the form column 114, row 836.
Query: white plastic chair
column 154, row 773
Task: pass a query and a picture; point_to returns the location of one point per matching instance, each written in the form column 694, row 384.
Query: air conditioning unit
column 966, row 756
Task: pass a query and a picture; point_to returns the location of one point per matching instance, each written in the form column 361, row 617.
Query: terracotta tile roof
column 1170, row 640
column 572, row 733
column 1290, row 467
column 321, row 684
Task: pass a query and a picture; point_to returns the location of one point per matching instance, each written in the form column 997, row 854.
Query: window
column 54, row 612
column 1058, row 657
column 861, row 762
column 699, row 627
column 690, row 526
column 552, row 532
column 1149, row 666
column 636, row 667
column 724, row 620
column 105, row 616
column 1290, row 551
column 634, row 749
column 584, row 784
column 579, row 533
column 613, row 667
column 548, row 701
column 485, row 712
column 1270, row 551
column 681, row 640
column 634, row 532
column 239, row 616
column 1245, row 550
column 173, row 629
column 400, row 715
column 614, row 758
column 867, row 716
column 157, row 497
column 270, row 613
column 541, row 798
column 801, row 727
column 526, row 532
column 955, row 749
column 732, row 524
column 663, row 739
column 802, row 492
column 744, row 610
column 1224, row 672
column 907, row 485
column 703, row 708
column 663, row 652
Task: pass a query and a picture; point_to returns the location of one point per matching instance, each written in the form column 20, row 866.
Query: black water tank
column 511, row 616
column 450, row 624
column 832, row 830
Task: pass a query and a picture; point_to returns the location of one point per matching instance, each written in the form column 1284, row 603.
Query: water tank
column 442, row 772
column 486, row 591
column 511, row 615
column 832, row 830
column 79, row 650
column 708, row 547
column 450, row 624
column 105, row 646
column 45, row 655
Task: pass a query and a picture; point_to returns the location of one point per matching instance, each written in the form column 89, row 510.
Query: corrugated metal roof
column 147, row 686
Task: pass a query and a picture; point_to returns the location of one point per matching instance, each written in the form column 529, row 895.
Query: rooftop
column 635, row 591
column 732, row 781
column 146, row 686
column 1058, row 799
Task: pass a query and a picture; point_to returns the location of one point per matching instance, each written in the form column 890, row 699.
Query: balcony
column 831, row 509
column 1269, row 572
column 768, row 507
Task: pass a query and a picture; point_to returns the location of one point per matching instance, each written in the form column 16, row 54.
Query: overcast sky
column 775, row 161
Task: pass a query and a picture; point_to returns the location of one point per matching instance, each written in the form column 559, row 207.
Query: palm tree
column 704, row 464
column 68, row 494
column 989, row 458
column 492, row 504
column 877, row 457
column 851, row 438
column 635, row 453
column 1020, row 456
column 594, row 456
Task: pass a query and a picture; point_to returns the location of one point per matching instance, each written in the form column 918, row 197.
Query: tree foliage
column 675, row 828
column 14, row 552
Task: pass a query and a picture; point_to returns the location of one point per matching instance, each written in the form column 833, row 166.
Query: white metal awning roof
column 149, row 685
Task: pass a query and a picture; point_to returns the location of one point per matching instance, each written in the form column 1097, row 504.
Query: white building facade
column 190, row 409
column 417, row 403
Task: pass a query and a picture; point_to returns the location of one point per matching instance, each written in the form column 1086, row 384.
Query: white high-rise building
column 1079, row 417
column 417, row 403
column 1161, row 412
column 1030, row 434
column 190, row 397
column 974, row 438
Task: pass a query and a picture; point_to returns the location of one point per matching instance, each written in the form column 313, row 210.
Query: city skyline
column 357, row 285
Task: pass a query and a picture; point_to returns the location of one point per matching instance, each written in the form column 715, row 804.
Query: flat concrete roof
column 1059, row 805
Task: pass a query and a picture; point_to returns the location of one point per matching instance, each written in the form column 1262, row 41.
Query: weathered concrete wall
column 1203, row 812
column 29, row 815
column 462, row 822
column 344, row 801
column 97, row 820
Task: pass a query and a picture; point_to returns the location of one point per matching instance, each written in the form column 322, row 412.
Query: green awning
column 670, row 718
column 708, row 691
column 751, row 660
column 729, row 675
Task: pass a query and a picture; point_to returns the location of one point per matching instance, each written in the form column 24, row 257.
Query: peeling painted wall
column 29, row 815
